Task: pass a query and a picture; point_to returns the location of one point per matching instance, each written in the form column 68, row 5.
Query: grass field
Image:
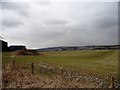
column 88, row 61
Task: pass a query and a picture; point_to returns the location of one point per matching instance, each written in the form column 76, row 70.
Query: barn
column 3, row 46
column 17, row 47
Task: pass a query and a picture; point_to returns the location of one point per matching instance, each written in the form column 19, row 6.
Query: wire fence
column 65, row 76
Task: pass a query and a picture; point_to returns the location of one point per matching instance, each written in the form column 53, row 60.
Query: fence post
column 112, row 82
column 5, row 83
column 32, row 68
column 61, row 71
column 13, row 63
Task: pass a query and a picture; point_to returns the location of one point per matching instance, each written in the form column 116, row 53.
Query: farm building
column 17, row 47
column 3, row 46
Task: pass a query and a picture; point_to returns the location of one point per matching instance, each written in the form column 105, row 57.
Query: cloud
column 20, row 7
column 14, row 14
column 105, row 22
column 10, row 23
column 56, row 22
column 61, row 24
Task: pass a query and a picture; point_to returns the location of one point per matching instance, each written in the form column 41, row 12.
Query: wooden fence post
column 5, row 83
column 32, row 68
column 61, row 71
column 13, row 63
column 112, row 83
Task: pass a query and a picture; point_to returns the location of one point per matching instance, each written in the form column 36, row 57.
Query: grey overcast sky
column 49, row 23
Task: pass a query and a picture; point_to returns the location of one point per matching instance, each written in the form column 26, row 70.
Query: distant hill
column 97, row 47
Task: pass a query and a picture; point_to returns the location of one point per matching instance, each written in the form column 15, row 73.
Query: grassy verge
column 90, row 61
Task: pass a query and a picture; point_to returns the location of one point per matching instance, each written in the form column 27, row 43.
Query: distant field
column 88, row 61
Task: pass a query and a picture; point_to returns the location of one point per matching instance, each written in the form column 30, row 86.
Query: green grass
column 90, row 61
